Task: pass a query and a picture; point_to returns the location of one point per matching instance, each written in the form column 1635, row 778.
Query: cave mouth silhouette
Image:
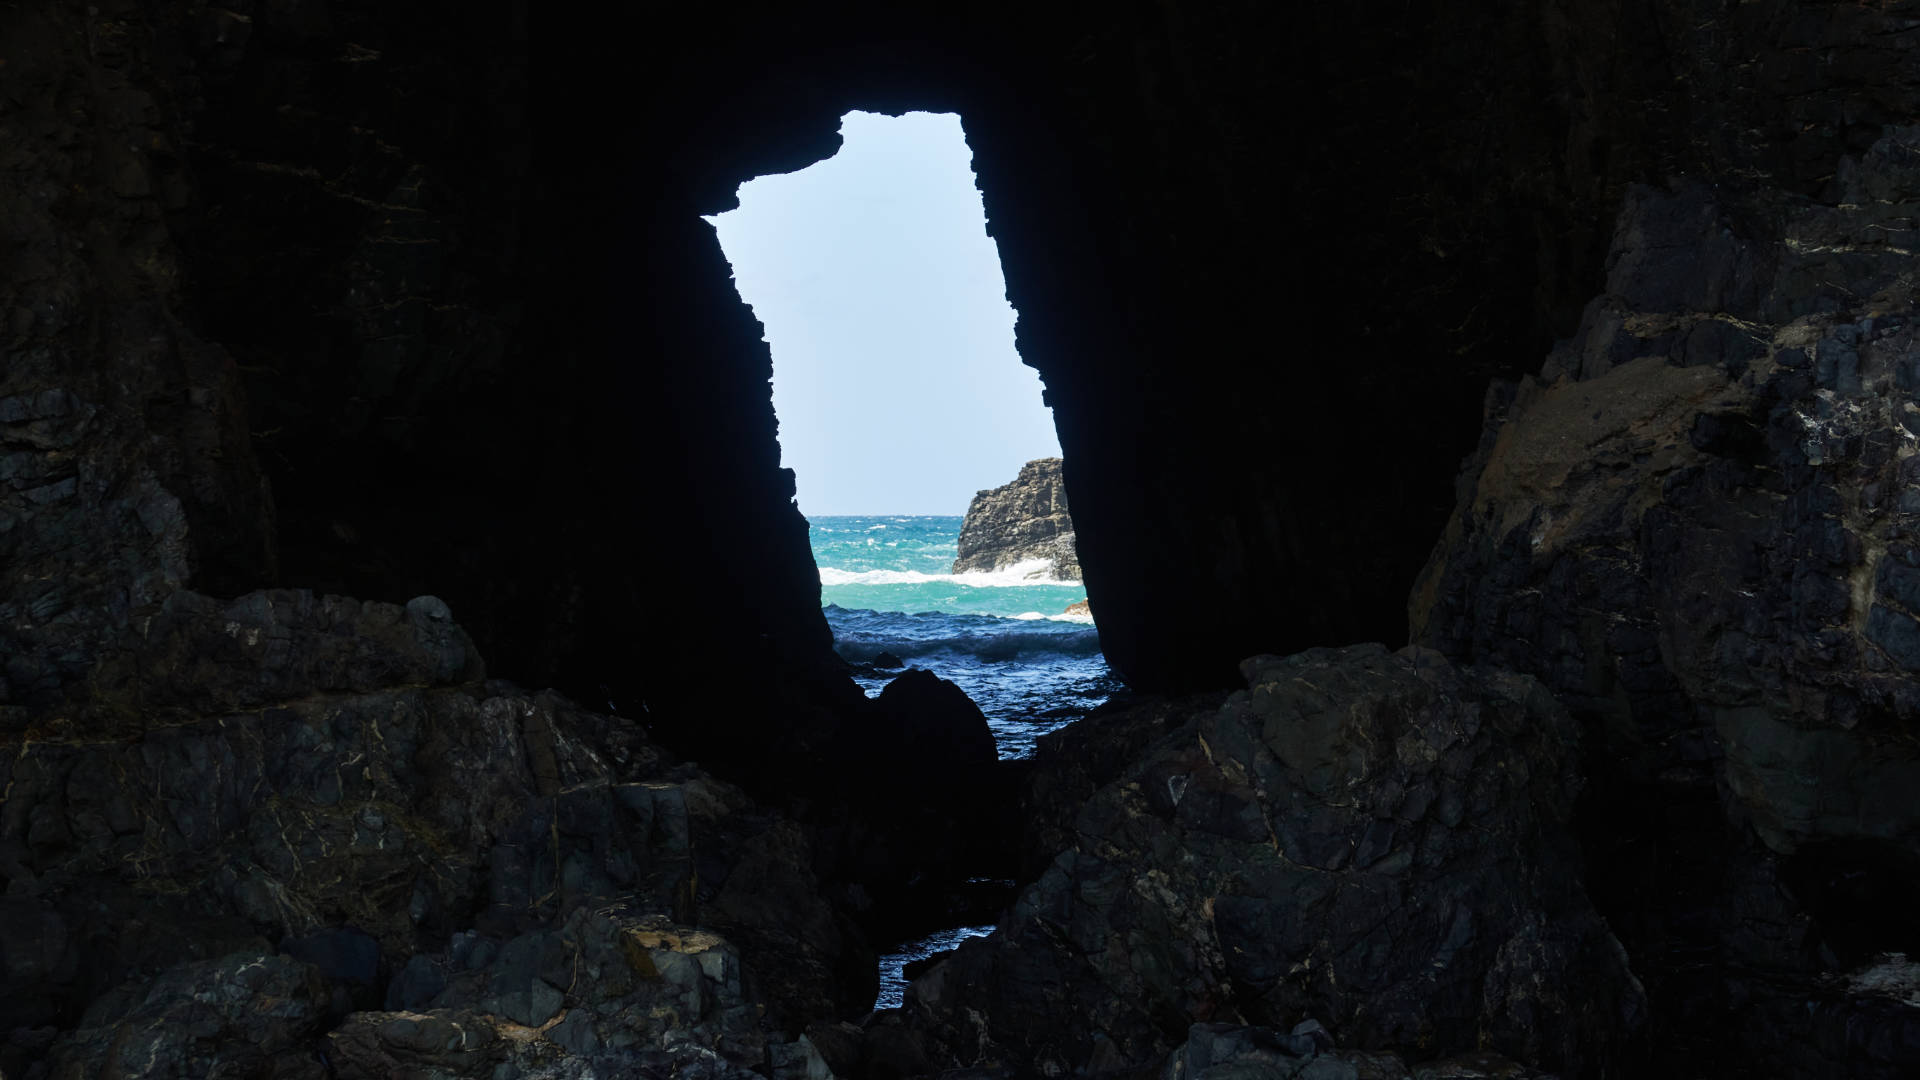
column 900, row 395
column 896, row 380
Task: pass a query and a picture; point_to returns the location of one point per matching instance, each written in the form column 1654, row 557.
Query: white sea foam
column 1072, row 616
column 1021, row 575
column 1030, row 572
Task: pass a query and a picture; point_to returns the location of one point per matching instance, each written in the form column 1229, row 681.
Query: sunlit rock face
column 1024, row 521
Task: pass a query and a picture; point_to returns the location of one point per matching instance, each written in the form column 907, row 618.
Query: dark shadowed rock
column 1215, row 1051
column 327, row 295
column 1694, row 527
column 337, row 953
column 1375, row 840
column 1023, row 521
column 928, row 724
column 382, row 807
column 242, row 1015
column 604, row 991
column 199, row 655
column 1071, row 764
column 922, row 804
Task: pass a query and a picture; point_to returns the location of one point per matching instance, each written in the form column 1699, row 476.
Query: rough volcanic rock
column 1374, row 840
column 1698, row 527
column 1071, row 764
column 922, row 717
column 328, row 775
column 1243, row 1052
column 241, row 1015
column 1022, row 521
column 606, row 992
column 390, row 261
column 126, row 465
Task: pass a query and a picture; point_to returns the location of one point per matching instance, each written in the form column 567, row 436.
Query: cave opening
column 900, row 397
column 922, row 450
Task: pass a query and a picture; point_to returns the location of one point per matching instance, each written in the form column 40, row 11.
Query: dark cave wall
column 390, row 301
column 1265, row 263
column 300, row 298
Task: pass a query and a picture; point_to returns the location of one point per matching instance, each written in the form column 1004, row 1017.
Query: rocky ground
column 335, row 812
column 1024, row 520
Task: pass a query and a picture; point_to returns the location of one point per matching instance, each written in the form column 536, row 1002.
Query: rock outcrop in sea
column 1022, row 521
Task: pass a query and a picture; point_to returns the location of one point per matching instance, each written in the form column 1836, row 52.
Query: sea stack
column 1023, row 521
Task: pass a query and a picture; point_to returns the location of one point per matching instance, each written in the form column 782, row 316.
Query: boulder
column 1377, row 840
column 387, row 804
column 923, row 805
column 1243, row 1052
column 1023, row 521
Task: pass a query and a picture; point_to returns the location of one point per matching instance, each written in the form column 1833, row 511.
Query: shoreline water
column 1004, row 637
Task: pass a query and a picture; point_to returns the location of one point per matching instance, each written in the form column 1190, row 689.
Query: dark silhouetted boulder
column 928, row 724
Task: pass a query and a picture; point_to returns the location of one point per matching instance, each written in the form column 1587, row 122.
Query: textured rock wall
column 1374, row 841
column 1697, row 525
column 421, row 268
column 320, row 802
column 392, row 301
column 126, row 468
column 1023, row 520
column 268, row 302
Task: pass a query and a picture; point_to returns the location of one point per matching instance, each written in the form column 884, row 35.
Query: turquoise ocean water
column 1004, row 638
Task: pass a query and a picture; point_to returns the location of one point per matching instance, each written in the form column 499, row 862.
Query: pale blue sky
column 894, row 373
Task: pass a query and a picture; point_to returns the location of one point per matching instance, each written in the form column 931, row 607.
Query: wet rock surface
column 1374, row 840
column 1022, row 521
column 1695, row 527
